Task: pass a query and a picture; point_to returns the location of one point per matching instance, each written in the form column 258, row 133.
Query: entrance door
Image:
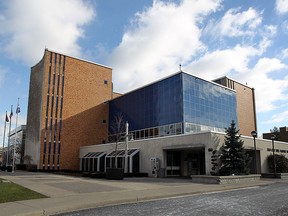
column 173, row 163
column 196, row 163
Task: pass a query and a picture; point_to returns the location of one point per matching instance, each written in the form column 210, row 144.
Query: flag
column 7, row 119
column 18, row 109
column 11, row 113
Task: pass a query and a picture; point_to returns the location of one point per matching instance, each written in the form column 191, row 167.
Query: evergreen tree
column 234, row 159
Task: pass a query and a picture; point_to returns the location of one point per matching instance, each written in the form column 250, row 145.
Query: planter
column 32, row 168
column 115, row 173
column 276, row 175
column 9, row 168
column 85, row 174
column 21, row 167
column 224, row 179
column 97, row 175
column 3, row 168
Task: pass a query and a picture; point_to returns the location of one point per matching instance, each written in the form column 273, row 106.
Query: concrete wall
column 156, row 147
column 34, row 111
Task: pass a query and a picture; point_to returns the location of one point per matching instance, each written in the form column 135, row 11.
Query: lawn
column 10, row 192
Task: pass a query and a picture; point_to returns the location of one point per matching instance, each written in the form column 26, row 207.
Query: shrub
column 281, row 163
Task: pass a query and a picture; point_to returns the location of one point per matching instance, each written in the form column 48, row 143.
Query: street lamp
column 273, row 149
column 254, row 134
column 127, row 135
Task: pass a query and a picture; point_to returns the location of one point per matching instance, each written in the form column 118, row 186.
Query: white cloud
column 278, row 118
column 269, row 31
column 3, row 71
column 158, row 40
column 285, row 53
column 155, row 44
column 222, row 62
column 235, row 23
column 282, row 6
column 28, row 27
column 268, row 90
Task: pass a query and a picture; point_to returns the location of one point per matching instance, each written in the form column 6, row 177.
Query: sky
column 145, row 40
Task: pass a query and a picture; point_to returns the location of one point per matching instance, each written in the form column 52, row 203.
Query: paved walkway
column 68, row 193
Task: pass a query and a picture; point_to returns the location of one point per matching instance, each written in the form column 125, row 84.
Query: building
column 175, row 122
column 177, row 155
column 1, row 155
column 67, row 109
column 282, row 135
column 17, row 139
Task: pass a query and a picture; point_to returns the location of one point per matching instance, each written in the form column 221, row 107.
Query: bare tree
column 117, row 132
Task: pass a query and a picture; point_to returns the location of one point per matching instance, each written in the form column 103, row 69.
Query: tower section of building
column 66, row 109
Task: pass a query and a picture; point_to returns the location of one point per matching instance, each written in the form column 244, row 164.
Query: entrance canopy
column 94, row 155
column 121, row 153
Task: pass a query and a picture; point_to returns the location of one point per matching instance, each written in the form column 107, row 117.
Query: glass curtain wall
column 155, row 105
column 207, row 106
column 178, row 104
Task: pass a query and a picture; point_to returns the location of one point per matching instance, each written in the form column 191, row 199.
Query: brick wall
column 72, row 116
column 245, row 109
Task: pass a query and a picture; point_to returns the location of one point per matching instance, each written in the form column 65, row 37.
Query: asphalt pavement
column 67, row 193
column 265, row 200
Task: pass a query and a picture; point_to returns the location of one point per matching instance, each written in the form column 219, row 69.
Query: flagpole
column 7, row 158
column 6, row 118
column 17, row 111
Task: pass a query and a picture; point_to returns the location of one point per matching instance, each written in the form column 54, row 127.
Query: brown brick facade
column 73, row 112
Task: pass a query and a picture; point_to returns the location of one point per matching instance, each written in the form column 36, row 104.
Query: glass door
column 173, row 163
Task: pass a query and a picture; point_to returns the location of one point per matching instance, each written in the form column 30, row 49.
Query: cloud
column 155, row 44
column 3, row 71
column 285, row 53
column 159, row 39
column 268, row 90
column 222, row 62
column 282, row 6
column 27, row 28
column 278, row 118
column 235, row 23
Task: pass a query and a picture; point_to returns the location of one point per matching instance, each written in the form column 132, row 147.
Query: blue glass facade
column 178, row 104
column 207, row 106
column 154, row 105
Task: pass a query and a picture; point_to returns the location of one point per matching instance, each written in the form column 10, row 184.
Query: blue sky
column 146, row 40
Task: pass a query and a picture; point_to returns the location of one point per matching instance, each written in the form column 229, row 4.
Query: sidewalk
column 68, row 193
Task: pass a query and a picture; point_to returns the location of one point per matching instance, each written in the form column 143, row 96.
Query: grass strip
column 10, row 192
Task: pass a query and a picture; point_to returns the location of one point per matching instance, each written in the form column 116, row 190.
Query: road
column 270, row 199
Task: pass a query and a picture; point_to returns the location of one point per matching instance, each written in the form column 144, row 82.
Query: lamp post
column 126, row 148
column 254, row 134
column 127, row 136
column 273, row 149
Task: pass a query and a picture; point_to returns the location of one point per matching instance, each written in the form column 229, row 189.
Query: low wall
column 277, row 175
column 223, row 179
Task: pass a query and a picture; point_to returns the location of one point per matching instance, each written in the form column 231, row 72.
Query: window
column 106, row 82
column 104, row 121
